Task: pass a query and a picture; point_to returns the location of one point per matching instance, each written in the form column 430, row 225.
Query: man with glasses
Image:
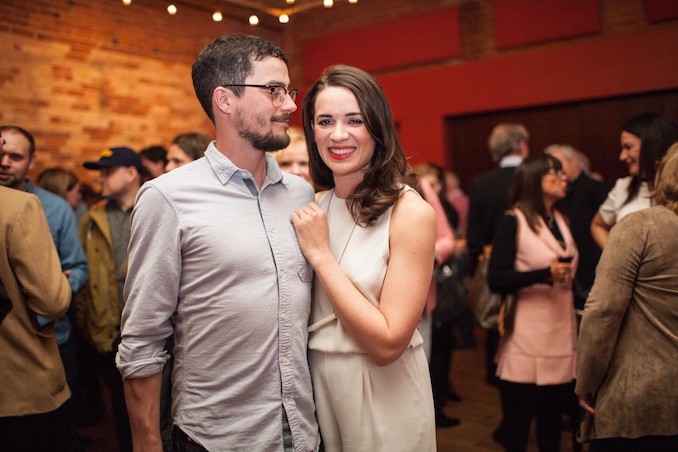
column 105, row 233
column 214, row 260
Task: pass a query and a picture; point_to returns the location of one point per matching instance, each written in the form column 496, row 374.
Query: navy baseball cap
column 118, row 156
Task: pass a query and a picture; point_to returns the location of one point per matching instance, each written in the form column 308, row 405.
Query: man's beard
column 264, row 142
column 12, row 182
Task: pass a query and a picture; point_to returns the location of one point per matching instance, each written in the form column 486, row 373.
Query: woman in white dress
column 644, row 141
column 370, row 239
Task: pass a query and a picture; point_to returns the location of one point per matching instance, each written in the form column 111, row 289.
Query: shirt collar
column 225, row 169
column 510, row 161
column 30, row 186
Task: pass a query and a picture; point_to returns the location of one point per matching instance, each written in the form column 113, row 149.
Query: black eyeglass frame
column 277, row 100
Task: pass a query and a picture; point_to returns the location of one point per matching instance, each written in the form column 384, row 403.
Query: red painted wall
column 585, row 70
column 530, row 21
column 409, row 41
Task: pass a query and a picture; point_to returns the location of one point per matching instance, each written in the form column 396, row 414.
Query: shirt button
column 284, row 316
column 284, row 360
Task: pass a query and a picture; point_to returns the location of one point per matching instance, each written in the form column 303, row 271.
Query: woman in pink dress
column 534, row 257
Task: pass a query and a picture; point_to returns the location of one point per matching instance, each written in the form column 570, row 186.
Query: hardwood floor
column 478, row 411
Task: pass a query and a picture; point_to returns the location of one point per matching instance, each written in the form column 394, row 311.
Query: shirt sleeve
column 502, row 277
column 35, row 262
column 615, row 198
column 152, row 285
column 71, row 254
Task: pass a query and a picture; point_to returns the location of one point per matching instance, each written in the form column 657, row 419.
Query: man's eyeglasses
column 278, row 92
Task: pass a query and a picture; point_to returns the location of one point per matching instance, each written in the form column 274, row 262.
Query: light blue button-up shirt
column 64, row 229
column 215, row 260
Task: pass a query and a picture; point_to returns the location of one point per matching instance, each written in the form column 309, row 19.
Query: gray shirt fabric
column 121, row 226
column 220, row 260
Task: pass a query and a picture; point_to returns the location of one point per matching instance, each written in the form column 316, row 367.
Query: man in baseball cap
column 118, row 156
column 105, row 234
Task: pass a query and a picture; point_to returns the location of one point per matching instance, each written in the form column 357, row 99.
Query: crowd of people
column 271, row 288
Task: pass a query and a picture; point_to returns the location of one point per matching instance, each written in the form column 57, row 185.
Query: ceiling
column 267, row 10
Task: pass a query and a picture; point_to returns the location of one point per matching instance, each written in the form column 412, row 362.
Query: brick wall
column 87, row 74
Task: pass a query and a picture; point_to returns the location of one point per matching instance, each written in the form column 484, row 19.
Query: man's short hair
column 228, row 60
column 25, row 133
column 505, row 140
column 568, row 151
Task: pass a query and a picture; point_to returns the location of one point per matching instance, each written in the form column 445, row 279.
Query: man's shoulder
column 13, row 200
column 297, row 184
column 47, row 198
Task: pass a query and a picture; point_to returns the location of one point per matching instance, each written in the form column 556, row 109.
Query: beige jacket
column 628, row 340
column 32, row 376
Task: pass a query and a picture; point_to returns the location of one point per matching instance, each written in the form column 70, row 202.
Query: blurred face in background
column 116, row 182
column 176, row 157
column 630, row 152
column 294, row 159
column 571, row 167
column 434, row 182
column 74, row 196
column 554, row 184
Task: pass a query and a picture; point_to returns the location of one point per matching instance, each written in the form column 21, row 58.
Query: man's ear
column 222, row 99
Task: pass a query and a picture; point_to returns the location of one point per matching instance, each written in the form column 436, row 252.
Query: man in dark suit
column 489, row 198
column 584, row 197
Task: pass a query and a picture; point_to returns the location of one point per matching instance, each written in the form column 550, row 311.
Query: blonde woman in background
column 294, row 158
column 62, row 182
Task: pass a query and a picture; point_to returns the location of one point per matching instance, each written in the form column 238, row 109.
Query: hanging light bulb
column 126, row 2
column 254, row 20
column 217, row 16
column 289, row 2
column 353, row 2
column 284, row 18
column 328, row 3
column 171, row 9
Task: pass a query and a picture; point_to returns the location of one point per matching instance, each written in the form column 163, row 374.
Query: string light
column 283, row 17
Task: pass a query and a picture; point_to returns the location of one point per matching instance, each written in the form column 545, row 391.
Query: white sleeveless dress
column 362, row 406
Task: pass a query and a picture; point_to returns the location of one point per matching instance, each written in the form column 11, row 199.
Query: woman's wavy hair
column 526, row 192
column 656, row 133
column 388, row 171
column 666, row 182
